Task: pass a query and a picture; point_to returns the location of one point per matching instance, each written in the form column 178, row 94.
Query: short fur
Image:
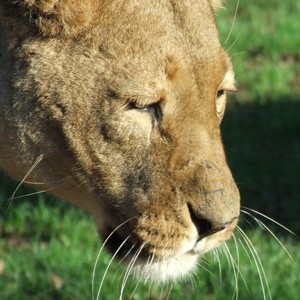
column 119, row 101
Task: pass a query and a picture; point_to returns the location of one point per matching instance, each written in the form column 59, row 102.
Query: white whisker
column 238, row 261
column 149, row 261
column 38, row 160
column 47, row 182
column 134, row 290
column 265, row 227
column 110, row 262
column 257, row 266
column 207, row 270
column 100, row 252
column 236, row 290
column 217, row 257
column 149, row 291
column 129, row 268
column 119, row 262
column 126, row 255
column 24, row 196
column 222, row 247
column 258, row 263
column 33, row 193
column 234, row 42
column 272, row 220
column 169, row 292
column 237, row 53
column 233, row 22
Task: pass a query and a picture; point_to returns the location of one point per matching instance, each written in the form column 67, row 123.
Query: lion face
column 126, row 115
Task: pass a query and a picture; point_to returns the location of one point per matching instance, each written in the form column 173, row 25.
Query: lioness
column 115, row 105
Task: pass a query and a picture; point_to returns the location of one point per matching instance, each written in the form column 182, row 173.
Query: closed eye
column 220, row 103
column 226, row 85
column 153, row 109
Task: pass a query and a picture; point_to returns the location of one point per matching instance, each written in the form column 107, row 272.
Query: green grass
column 48, row 248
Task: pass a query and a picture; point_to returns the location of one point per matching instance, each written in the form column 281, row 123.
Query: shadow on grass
column 263, row 149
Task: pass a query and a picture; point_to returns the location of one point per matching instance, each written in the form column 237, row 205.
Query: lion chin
column 170, row 269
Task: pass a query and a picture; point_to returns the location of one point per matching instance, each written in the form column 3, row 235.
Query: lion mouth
column 145, row 265
column 155, row 264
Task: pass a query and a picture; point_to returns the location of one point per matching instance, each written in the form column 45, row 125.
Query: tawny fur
column 63, row 17
column 79, row 81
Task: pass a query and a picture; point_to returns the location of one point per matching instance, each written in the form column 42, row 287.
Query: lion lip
column 145, row 264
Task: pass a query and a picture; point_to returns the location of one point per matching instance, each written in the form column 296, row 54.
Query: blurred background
column 48, row 248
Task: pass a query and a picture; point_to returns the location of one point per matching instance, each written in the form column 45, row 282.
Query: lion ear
column 62, row 17
column 216, row 4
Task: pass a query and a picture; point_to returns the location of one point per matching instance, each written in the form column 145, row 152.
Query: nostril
column 204, row 226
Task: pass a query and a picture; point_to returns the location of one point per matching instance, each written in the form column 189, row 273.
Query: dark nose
column 206, row 227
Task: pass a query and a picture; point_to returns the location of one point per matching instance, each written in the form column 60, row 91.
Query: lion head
column 122, row 101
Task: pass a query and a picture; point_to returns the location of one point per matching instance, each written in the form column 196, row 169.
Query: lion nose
column 206, row 227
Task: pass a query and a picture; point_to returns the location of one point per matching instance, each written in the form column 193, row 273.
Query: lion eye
column 153, row 109
column 220, row 93
column 220, row 103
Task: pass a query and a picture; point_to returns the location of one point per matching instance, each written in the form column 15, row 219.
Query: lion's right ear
column 62, row 17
